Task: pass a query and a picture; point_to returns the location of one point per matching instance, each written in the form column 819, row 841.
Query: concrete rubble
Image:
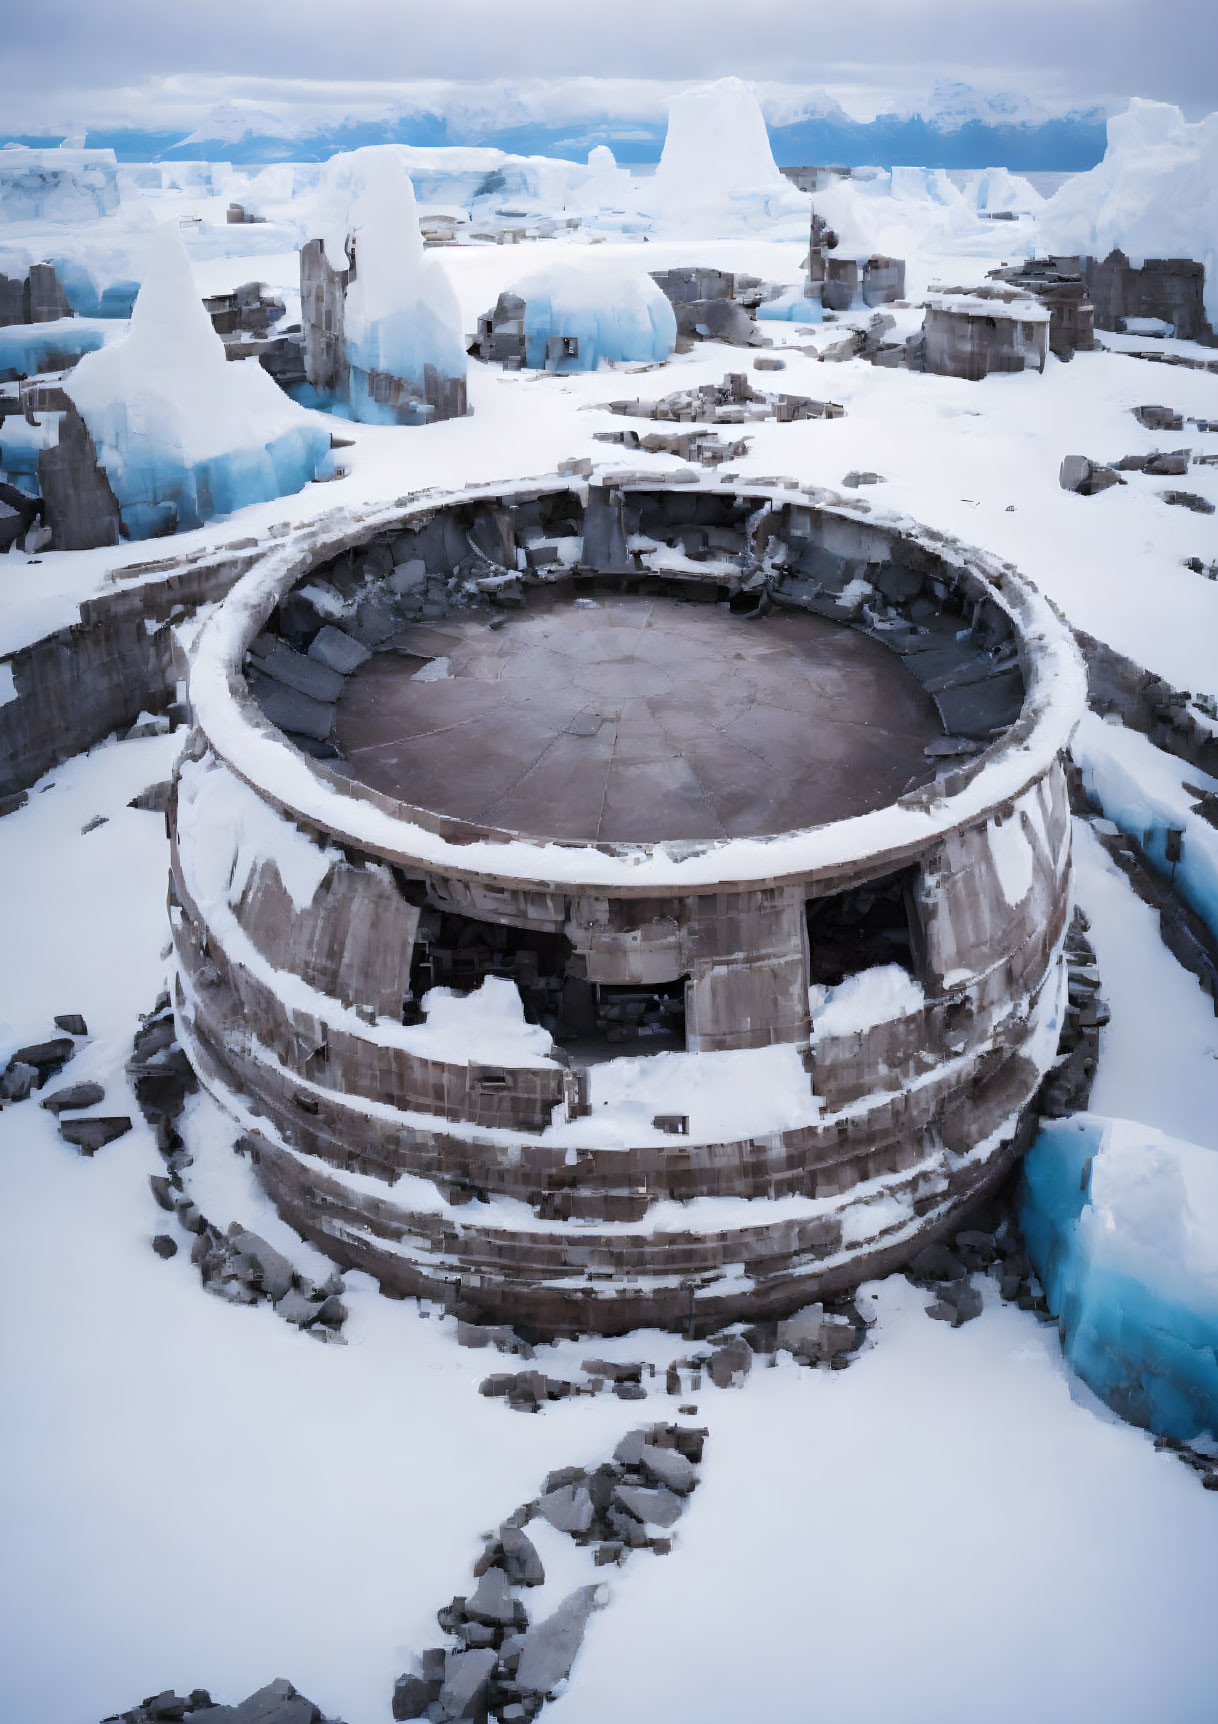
column 499, row 1664
column 732, row 402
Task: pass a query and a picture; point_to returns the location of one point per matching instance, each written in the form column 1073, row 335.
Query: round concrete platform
column 637, row 719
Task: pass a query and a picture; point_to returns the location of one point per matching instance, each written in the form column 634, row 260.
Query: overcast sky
column 158, row 61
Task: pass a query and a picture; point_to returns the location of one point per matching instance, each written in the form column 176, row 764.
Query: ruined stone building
column 606, row 907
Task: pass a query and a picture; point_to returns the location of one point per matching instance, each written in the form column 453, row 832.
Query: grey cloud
column 1055, row 51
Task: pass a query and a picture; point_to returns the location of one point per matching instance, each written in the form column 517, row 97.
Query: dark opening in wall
column 592, row 1020
column 869, row 925
column 455, row 951
column 604, row 1020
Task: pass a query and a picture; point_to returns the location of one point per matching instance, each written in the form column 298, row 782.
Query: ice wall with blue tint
column 1121, row 1225
column 26, row 349
column 612, row 313
column 401, row 318
column 1143, row 791
column 182, row 434
column 90, row 298
column 60, row 185
column 791, row 307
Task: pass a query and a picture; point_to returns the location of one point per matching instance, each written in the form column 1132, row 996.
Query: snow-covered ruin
column 631, row 1038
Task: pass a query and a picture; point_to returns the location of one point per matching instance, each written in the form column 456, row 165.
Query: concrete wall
column 82, row 683
column 1168, row 288
column 961, row 344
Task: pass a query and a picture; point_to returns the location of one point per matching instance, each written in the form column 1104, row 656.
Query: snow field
column 200, row 1494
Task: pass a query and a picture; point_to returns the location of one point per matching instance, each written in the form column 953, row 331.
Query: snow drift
column 183, row 434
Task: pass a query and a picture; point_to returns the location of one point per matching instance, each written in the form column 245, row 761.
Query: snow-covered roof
column 982, row 305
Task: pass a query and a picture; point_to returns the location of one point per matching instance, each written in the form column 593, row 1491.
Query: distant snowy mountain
column 955, row 127
column 952, row 105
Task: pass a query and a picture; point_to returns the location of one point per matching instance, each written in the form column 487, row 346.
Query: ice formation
column 791, row 306
column 612, row 311
column 182, row 434
column 1154, row 195
column 29, row 348
column 64, row 185
column 997, row 191
column 1121, row 1224
column 401, row 316
column 717, row 171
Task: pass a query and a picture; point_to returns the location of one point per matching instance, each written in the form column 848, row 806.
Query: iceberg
column 717, row 172
column 183, row 434
column 1154, row 195
column 1121, row 1224
column 997, row 191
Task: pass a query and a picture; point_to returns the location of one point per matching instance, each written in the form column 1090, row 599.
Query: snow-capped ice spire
column 717, row 164
column 182, row 434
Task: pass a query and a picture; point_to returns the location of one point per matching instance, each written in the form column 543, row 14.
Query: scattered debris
column 500, row 1665
column 732, row 402
column 94, row 1133
column 705, row 448
column 236, row 1265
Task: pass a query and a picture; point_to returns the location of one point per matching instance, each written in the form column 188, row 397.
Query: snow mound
column 183, row 434
column 487, row 1026
column 874, row 996
column 717, row 172
column 401, row 316
column 1121, row 1223
column 613, row 311
column 1154, row 195
column 724, row 1095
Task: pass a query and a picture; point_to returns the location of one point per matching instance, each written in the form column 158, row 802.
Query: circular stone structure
column 608, row 905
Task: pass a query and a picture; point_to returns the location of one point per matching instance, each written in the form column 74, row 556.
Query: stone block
column 290, row 710
column 75, row 1096
column 467, row 1677
column 550, row 1646
column 568, row 1509
column 338, row 651
column 306, row 674
column 90, row 1135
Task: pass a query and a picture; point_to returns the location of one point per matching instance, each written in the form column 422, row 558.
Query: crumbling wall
column 1171, row 289
column 80, row 684
column 323, row 292
column 77, row 502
